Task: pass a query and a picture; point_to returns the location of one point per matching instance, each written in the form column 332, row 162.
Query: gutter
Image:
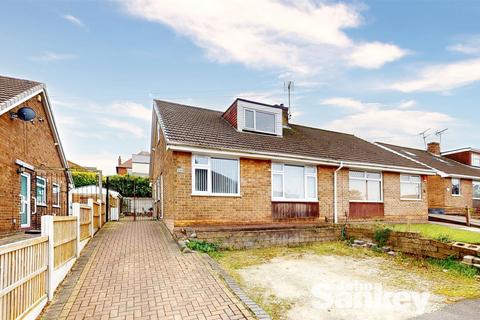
column 335, row 204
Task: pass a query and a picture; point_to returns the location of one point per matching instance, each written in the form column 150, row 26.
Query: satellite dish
column 24, row 114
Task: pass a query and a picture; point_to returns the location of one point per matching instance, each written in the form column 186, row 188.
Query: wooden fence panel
column 96, row 216
column 23, row 276
column 65, row 239
column 85, row 221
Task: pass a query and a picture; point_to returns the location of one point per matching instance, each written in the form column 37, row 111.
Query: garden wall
column 259, row 238
column 415, row 244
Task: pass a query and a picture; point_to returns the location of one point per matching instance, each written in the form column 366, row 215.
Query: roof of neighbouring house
column 440, row 163
column 126, row 164
column 14, row 90
column 205, row 128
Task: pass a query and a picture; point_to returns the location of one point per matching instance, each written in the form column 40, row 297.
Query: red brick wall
column 462, row 157
column 32, row 143
column 231, row 115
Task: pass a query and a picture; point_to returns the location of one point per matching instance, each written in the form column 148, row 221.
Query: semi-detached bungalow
column 455, row 186
column 34, row 177
column 250, row 166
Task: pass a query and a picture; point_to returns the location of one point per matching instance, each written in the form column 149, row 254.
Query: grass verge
column 439, row 232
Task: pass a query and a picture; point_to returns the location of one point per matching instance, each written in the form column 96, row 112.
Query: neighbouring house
column 455, row 186
column 138, row 165
column 34, row 172
column 250, row 166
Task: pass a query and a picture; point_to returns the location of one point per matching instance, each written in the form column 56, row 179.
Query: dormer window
column 259, row 121
column 475, row 159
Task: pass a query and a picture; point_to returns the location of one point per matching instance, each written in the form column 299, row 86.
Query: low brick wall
column 260, row 238
column 414, row 243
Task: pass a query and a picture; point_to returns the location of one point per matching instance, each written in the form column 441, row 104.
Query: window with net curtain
column 410, row 187
column 365, row 186
column 476, row 190
column 215, row 175
column 292, row 182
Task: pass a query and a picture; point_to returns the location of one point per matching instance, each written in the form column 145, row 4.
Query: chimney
column 119, row 160
column 285, row 115
column 434, row 147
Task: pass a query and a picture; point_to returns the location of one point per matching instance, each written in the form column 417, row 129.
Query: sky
column 382, row 70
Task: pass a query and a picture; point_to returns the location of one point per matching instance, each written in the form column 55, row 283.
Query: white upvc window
column 476, row 190
column 215, row 176
column 56, row 194
column 365, row 186
column 41, row 191
column 456, row 187
column 294, row 182
column 410, row 187
column 260, row 121
column 476, row 159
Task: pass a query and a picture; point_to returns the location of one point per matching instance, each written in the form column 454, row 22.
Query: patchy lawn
column 312, row 282
column 435, row 231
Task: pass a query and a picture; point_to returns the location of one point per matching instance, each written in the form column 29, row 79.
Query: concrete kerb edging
column 235, row 288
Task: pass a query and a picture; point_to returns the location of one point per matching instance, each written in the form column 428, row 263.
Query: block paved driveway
column 134, row 270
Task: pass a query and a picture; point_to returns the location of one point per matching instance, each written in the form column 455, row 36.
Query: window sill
column 406, row 199
column 475, row 198
column 54, row 206
column 236, row 195
column 295, row 200
column 365, row 201
column 42, row 205
column 456, row 195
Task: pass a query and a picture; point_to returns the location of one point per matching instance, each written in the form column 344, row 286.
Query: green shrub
column 202, row 246
column 451, row 264
column 381, row 235
column 445, row 238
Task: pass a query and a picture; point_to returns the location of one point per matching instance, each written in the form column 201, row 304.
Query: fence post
column 47, row 230
column 76, row 213
column 90, row 204
column 467, row 216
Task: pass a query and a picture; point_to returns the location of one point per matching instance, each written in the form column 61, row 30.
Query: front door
column 25, row 196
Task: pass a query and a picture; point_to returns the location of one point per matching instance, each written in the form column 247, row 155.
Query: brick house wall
column 34, row 144
column 254, row 205
column 440, row 195
column 462, row 157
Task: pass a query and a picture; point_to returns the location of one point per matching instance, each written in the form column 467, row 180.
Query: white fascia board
column 460, row 176
column 298, row 159
column 51, row 118
column 160, row 120
column 459, row 150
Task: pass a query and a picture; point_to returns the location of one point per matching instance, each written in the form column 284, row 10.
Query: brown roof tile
column 206, row 128
column 444, row 164
column 11, row 88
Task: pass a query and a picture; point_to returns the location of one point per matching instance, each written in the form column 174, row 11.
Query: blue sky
column 384, row 70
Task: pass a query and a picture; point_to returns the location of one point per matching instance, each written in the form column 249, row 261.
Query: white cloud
column 375, row 54
column 74, row 20
column 302, row 37
column 407, row 104
column 377, row 121
column 130, row 109
column 53, row 56
column 470, row 45
column 124, row 126
column 441, row 77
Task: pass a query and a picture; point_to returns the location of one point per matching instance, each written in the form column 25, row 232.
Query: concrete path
column 463, row 310
column 134, row 270
column 453, row 219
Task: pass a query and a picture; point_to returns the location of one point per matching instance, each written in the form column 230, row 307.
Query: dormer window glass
column 476, row 159
column 259, row 121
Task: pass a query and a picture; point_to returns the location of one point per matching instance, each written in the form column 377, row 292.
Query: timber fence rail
column 31, row 270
